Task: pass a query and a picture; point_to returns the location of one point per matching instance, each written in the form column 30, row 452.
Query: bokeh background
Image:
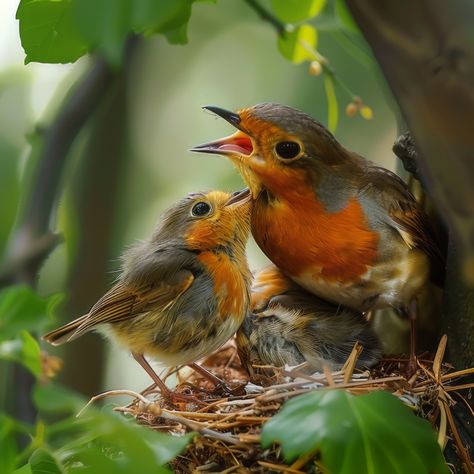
column 132, row 159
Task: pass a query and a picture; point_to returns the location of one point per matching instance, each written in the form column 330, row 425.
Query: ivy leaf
column 333, row 109
column 48, row 33
column 43, row 462
column 374, row 432
column 298, row 45
column 24, row 350
column 22, row 309
column 293, row 11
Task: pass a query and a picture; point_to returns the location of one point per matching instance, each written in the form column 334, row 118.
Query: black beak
column 231, row 117
column 239, row 196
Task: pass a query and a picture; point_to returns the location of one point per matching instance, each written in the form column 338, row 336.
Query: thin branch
column 32, row 241
column 265, row 15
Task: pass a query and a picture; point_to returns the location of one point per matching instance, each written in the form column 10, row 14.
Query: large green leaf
column 22, row 309
column 298, row 45
column 371, row 434
column 48, row 33
column 63, row 30
column 8, row 447
column 124, row 446
column 293, row 11
column 23, row 349
column 104, row 24
column 43, row 462
column 103, row 441
column 150, row 16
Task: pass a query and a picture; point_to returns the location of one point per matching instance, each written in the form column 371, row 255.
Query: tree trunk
column 426, row 52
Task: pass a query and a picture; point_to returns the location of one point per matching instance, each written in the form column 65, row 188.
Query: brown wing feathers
column 120, row 303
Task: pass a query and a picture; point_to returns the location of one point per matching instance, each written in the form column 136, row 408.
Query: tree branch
column 265, row 15
column 32, row 241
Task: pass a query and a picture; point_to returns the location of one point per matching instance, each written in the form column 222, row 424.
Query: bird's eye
column 287, row 150
column 201, row 209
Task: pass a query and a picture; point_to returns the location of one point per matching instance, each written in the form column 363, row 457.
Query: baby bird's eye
column 201, row 209
column 287, row 150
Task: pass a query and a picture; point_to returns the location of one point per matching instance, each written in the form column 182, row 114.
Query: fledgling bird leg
column 165, row 391
column 410, row 311
column 219, row 384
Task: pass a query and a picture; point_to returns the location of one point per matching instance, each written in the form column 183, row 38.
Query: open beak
column 239, row 147
column 237, row 144
column 239, row 198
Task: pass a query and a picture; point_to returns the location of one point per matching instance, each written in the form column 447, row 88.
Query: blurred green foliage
column 372, row 433
column 96, row 442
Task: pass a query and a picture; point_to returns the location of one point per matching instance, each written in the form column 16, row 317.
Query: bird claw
column 224, row 389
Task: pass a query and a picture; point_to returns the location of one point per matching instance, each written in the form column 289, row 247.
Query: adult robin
column 340, row 226
column 289, row 326
column 184, row 291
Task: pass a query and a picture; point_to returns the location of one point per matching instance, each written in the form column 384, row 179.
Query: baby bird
column 184, row 291
column 294, row 326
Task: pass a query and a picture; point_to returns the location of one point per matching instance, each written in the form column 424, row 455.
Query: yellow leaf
column 299, row 45
column 333, row 111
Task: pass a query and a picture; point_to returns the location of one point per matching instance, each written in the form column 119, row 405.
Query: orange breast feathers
column 300, row 236
column 230, row 285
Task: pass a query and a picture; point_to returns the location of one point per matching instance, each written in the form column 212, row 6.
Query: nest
column 230, row 425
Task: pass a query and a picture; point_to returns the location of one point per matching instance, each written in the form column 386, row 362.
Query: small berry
column 351, row 109
column 315, row 68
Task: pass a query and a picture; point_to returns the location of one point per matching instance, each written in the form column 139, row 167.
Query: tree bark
column 426, row 53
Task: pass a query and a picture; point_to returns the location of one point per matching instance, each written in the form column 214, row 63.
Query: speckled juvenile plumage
column 290, row 326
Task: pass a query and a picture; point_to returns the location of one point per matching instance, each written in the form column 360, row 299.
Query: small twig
column 265, row 15
column 159, row 412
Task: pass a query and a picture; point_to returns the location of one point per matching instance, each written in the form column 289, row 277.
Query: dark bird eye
column 201, row 209
column 287, row 150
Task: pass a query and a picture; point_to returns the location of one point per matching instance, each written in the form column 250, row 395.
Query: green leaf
column 151, row 16
column 22, row 309
column 43, row 462
column 293, row 11
column 333, row 109
column 125, row 446
column 25, row 469
column 344, row 16
column 298, row 45
column 374, row 432
column 47, row 32
column 52, row 398
column 24, row 350
column 104, row 25
column 8, row 447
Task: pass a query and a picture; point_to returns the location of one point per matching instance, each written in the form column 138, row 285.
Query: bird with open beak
column 338, row 225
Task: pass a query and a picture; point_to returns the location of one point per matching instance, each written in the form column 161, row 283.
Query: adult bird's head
column 276, row 147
